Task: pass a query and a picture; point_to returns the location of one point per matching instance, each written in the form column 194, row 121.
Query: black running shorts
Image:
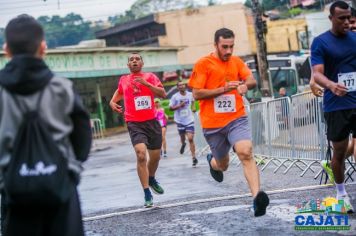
column 340, row 124
column 147, row 132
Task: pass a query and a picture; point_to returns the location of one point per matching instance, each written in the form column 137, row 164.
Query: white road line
column 120, row 213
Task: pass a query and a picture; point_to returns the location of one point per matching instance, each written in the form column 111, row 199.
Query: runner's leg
column 243, row 150
column 190, row 137
column 338, row 160
column 142, row 169
column 164, row 142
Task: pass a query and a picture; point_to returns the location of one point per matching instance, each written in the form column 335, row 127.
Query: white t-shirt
column 183, row 115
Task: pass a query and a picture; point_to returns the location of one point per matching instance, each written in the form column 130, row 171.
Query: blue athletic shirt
column 338, row 55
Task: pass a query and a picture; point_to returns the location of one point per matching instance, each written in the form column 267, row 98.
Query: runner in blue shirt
column 333, row 57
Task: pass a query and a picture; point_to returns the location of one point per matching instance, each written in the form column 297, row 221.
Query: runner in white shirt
column 182, row 103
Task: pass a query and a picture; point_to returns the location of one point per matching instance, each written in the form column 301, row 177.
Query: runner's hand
column 231, row 85
column 338, row 89
column 242, row 88
column 316, row 90
column 141, row 80
column 115, row 107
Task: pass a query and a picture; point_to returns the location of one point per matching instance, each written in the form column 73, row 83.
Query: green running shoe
column 148, row 202
column 326, row 166
column 155, row 187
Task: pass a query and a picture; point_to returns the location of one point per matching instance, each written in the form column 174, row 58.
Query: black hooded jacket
column 25, row 76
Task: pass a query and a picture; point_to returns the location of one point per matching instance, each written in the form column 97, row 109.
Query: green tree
column 118, row 19
column 68, row 30
column 212, row 2
column 268, row 4
column 146, row 7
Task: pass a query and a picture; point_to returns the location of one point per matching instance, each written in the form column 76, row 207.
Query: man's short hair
column 353, row 12
column 338, row 4
column 224, row 33
column 134, row 53
column 180, row 82
column 23, row 35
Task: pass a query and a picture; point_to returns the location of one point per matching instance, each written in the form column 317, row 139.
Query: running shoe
column 148, row 201
column 327, row 168
column 181, row 151
column 216, row 174
column 260, row 203
column 156, row 188
column 195, row 162
column 347, row 203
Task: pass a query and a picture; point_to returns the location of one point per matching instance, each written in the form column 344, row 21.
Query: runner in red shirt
column 138, row 90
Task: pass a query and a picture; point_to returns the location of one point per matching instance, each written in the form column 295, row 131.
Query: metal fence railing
column 96, row 128
column 286, row 132
column 293, row 132
column 201, row 146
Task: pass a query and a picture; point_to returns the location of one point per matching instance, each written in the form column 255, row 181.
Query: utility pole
column 261, row 49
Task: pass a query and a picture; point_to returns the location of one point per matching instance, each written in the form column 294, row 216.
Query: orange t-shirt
column 209, row 73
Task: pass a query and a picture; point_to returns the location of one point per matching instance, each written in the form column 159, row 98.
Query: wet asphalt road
column 193, row 203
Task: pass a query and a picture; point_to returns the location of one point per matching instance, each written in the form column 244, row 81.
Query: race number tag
column 183, row 112
column 142, row 103
column 349, row 80
column 225, row 103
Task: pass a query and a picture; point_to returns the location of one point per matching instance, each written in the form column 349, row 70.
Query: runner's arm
column 250, row 82
column 176, row 107
column 157, row 90
column 200, row 94
column 194, row 109
column 316, row 89
column 322, row 80
column 113, row 102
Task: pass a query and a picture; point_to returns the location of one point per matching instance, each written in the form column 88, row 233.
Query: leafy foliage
column 68, row 30
column 118, row 19
column 146, row 7
column 269, row 4
column 295, row 11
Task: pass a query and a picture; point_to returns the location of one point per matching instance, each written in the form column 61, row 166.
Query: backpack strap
column 39, row 100
column 22, row 107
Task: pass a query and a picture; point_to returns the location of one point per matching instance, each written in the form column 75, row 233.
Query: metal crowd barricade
column 201, row 146
column 257, row 121
column 308, row 131
column 96, row 128
column 289, row 132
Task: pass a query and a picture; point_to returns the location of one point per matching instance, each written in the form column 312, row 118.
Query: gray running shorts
column 221, row 140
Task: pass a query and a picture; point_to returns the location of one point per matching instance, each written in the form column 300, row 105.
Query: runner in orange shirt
column 138, row 90
column 218, row 81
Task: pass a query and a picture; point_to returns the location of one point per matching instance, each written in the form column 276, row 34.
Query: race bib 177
column 349, row 80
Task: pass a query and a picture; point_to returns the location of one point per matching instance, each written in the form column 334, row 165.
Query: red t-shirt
column 138, row 99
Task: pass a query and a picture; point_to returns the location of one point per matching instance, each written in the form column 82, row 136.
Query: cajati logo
column 326, row 214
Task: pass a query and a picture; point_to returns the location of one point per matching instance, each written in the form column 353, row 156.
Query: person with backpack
column 45, row 136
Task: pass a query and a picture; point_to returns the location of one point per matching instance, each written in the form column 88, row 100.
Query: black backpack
column 37, row 174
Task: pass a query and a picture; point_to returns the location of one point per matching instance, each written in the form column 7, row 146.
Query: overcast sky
column 88, row 9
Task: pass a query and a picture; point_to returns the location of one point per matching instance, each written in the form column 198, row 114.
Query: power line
column 68, row 5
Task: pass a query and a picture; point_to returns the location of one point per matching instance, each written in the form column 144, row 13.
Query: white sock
column 340, row 188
